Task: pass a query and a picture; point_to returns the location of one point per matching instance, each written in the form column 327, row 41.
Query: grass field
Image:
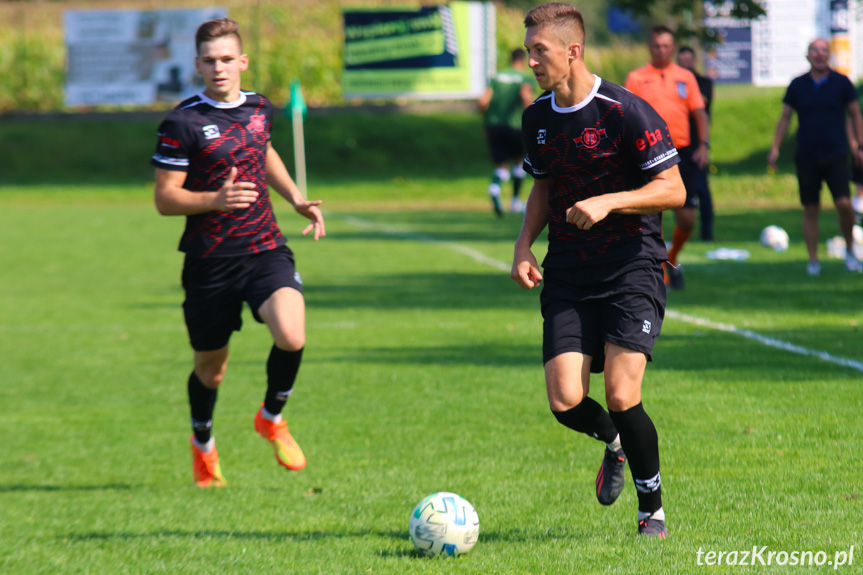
column 422, row 373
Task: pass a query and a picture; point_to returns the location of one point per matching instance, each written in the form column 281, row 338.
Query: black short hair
column 517, row 55
column 683, row 49
column 659, row 30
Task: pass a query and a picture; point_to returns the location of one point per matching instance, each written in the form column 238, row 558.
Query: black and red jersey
column 205, row 139
column 612, row 141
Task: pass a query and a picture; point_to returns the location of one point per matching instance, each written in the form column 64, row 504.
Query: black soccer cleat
column 675, row 276
column 609, row 480
column 650, row 527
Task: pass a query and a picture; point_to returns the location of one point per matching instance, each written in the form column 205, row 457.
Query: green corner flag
column 297, row 101
column 298, row 111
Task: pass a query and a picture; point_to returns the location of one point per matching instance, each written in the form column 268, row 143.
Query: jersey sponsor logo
column 590, row 138
column 682, row 91
column 168, row 142
column 649, row 139
column 540, row 137
column 658, row 159
column 211, row 132
column 257, row 123
column 180, row 162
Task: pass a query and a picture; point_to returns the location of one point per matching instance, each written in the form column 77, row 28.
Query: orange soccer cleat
column 288, row 453
column 206, row 467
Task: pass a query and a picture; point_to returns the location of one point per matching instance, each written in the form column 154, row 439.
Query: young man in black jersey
column 604, row 169
column 214, row 163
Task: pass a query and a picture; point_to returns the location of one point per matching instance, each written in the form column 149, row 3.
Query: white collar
column 235, row 104
column 569, row 109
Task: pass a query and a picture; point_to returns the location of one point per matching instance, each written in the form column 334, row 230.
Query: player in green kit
column 508, row 94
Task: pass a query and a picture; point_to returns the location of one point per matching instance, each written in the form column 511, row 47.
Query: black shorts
column 504, row 143
column 217, row 287
column 694, row 178
column 585, row 309
column 811, row 172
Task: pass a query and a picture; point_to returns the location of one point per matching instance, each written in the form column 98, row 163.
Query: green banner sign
column 432, row 52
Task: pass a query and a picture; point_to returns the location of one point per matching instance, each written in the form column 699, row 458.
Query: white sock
column 206, row 447
column 659, row 515
column 277, row 418
column 615, row 444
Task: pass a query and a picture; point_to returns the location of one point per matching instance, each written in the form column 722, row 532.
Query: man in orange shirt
column 673, row 92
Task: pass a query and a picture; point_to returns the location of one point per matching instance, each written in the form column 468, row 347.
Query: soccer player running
column 822, row 97
column 673, row 92
column 507, row 95
column 604, row 169
column 214, row 162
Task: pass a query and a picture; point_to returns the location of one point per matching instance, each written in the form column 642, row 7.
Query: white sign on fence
column 132, row 57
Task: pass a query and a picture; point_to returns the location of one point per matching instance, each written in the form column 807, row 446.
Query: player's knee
column 290, row 341
column 560, row 405
column 576, row 417
column 211, row 377
column 621, row 400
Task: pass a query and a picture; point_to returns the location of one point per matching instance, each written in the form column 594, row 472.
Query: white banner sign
column 131, row 57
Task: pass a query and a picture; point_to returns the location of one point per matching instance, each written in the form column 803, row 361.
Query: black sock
column 202, row 401
column 282, row 368
column 641, row 446
column 516, row 186
column 588, row 417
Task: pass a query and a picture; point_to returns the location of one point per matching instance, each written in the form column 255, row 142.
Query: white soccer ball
column 775, row 238
column 445, row 524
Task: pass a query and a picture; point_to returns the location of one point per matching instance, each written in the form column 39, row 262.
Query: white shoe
column 813, row 268
column 851, row 263
column 516, row 207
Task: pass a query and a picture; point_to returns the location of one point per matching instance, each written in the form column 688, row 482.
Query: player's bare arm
column 280, row 180
column 172, row 199
column 855, row 129
column 781, row 130
column 702, row 153
column 665, row 191
column 525, row 269
column 485, row 99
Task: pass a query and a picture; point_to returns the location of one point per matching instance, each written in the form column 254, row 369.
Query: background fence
column 285, row 39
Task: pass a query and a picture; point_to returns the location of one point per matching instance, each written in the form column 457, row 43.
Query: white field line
column 691, row 319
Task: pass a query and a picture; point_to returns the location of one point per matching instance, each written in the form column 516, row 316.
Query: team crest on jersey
column 682, row 91
column 211, row 132
column 590, row 138
column 257, row 123
column 540, row 137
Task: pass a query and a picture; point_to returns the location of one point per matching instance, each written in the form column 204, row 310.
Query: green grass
column 422, row 373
